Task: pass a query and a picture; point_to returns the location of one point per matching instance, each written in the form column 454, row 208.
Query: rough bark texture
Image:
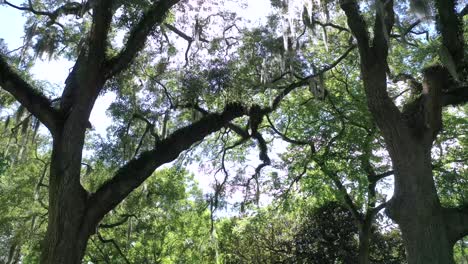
column 416, row 208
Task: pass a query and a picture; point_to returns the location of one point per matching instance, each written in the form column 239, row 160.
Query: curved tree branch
column 131, row 175
column 114, row 243
column 181, row 34
column 122, row 221
column 305, row 81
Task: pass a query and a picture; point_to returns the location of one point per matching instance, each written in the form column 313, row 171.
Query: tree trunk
column 416, row 208
column 429, row 231
column 67, row 231
column 364, row 242
column 14, row 253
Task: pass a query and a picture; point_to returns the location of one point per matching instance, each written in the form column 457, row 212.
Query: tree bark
column 364, row 242
column 416, row 208
column 66, row 235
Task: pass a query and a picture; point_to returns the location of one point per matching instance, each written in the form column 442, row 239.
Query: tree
column 265, row 237
column 73, row 212
column 428, row 229
column 344, row 158
column 409, row 128
column 303, row 233
column 326, row 236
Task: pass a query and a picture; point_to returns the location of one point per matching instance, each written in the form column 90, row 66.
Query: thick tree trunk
column 429, row 231
column 416, row 208
column 73, row 214
column 69, row 247
column 67, row 233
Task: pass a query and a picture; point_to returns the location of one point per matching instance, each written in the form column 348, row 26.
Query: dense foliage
column 236, row 142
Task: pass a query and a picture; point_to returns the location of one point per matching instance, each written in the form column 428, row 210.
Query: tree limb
column 410, row 28
column 356, row 23
column 114, row 243
column 456, row 96
column 70, row 8
column 328, row 24
column 374, row 63
column 182, row 34
column 464, row 11
column 285, row 137
column 346, row 197
column 451, row 28
column 304, row 81
column 102, row 18
column 122, row 221
column 138, row 35
column 374, row 211
column 131, row 175
column 28, row 96
column 456, row 222
column 377, row 177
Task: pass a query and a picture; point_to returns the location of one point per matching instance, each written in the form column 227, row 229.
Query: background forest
column 321, row 132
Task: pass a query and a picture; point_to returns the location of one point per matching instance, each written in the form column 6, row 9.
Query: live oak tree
column 429, row 230
column 408, row 128
column 73, row 212
column 86, row 33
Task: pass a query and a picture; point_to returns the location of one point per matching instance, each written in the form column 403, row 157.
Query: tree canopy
column 329, row 132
